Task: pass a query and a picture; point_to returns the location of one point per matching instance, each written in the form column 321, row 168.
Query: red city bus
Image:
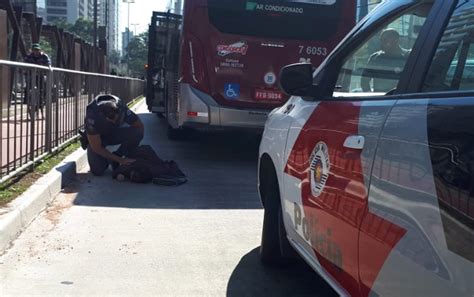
column 230, row 55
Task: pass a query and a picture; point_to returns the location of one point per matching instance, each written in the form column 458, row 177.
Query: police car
column 374, row 188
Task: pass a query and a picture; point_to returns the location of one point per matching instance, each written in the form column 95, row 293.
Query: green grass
column 18, row 185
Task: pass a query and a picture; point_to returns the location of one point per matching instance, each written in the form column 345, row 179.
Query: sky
column 140, row 13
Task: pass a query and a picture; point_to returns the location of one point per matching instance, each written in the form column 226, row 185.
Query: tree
column 46, row 47
column 82, row 28
column 63, row 24
column 137, row 54
column 114, row 57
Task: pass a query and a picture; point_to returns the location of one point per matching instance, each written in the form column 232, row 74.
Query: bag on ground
column 149, row 167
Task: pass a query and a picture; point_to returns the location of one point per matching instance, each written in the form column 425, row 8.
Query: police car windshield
column 314, row 19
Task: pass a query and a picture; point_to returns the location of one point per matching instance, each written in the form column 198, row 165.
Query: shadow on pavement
column 215, row 146
column 251, row 278
column 221, row 169
column 106, row 192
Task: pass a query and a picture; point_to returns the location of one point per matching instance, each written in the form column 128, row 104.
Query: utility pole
column 107, row 27
column 95, row 55
column 128, row 30
column 106, row 14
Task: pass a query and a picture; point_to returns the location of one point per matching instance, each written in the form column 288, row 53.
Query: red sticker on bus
column 235, row 48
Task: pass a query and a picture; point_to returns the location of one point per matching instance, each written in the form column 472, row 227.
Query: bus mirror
column 297, row 79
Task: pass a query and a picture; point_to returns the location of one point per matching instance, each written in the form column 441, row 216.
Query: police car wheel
column 273, row 232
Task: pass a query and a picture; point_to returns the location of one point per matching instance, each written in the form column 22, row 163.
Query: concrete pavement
column 102, row 237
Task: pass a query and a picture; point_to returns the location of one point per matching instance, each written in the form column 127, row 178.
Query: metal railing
column 42, row 109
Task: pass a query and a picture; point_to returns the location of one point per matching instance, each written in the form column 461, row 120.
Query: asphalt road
column 102, row 237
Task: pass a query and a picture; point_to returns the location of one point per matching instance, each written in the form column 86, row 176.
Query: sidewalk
column 16, row 216
column 18, row 108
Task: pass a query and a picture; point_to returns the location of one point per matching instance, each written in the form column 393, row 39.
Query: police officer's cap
column 108, row 105
column 105, row 98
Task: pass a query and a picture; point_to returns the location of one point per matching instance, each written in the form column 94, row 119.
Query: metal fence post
column 77, row 96
column 57, row 89
column 49, row 111
column 77, row 84
column 89, row 89
column 32, row 102
column 4, row 76
column 4, row 80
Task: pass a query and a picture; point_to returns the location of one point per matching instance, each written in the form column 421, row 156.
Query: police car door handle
column 355, row 142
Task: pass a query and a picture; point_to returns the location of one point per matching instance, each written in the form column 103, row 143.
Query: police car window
column 374, row 69
column 452, row 68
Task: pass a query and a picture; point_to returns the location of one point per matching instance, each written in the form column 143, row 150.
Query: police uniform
column 385, row 70
column 120, row 133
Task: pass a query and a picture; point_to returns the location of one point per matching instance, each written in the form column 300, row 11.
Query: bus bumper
column 198, row 109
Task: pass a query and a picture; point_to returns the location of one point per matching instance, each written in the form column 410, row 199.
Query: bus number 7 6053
column 313, row 50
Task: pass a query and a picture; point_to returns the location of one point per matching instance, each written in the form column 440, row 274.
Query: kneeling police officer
column 110, row 122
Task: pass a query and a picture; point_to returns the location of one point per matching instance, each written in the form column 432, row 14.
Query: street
column 102, row 237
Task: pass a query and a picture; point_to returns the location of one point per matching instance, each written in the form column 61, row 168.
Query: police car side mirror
column 297, row 79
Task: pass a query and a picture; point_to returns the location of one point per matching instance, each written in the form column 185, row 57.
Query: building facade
column 69, row 10
column 108, row 16
column 127, row 35
column 27, row 5
column 41, row 12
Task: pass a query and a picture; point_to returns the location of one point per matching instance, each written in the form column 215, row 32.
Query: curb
column 23, row 210
column 17, row 216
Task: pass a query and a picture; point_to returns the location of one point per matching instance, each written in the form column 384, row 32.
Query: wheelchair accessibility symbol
column 232, row 91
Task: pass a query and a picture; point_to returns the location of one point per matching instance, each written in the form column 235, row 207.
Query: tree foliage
column 137, row 54
column 137, row 50
column 114, row 57
column 46, row 47
column 82, row 28
column 85, row 30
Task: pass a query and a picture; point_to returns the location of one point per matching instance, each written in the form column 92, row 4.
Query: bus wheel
column 160, row 115
column 175, row 134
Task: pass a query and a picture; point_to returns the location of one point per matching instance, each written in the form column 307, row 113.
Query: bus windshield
column 286, row 19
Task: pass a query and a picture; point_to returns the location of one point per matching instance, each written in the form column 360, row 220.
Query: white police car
column 375, row 188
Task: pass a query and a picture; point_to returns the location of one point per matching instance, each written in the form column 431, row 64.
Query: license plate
column 268, row 95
